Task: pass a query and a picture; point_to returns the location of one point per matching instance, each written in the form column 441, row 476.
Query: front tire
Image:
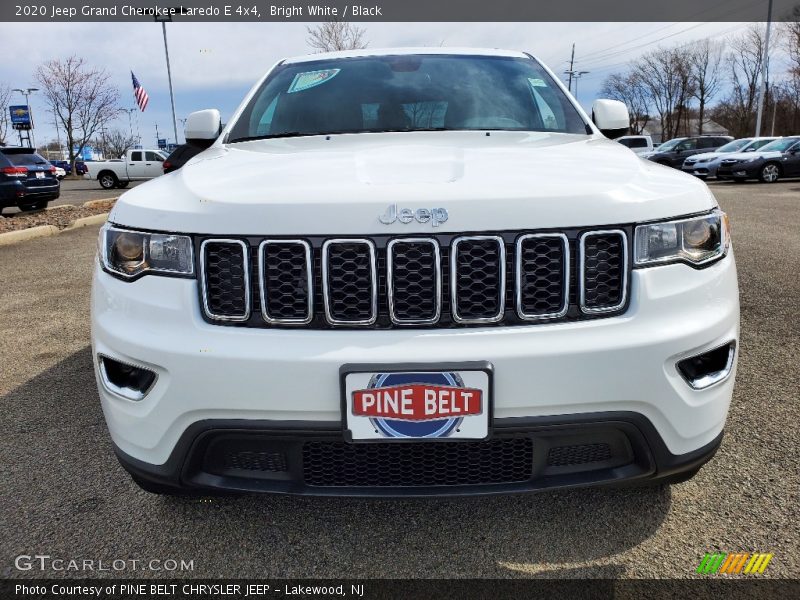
column 770, row 173
column 108, row 181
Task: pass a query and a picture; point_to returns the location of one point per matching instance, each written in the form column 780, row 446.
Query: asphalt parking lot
column 78, row 191
column 64, row 495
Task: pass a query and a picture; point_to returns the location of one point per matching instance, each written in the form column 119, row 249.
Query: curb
column 84, row 221
column 92, row 203
column 14, row 237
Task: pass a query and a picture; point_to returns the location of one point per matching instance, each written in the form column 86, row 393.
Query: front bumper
column 741, row 171
column 279, row 379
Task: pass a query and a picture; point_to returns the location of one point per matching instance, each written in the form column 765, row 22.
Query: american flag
column 139, row 93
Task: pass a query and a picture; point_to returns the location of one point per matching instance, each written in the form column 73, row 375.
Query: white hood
column 340, row 184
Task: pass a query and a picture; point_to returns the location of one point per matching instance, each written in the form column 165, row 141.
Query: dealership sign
column 20, row 117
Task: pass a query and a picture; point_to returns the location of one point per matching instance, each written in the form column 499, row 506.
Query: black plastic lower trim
column 622, row 448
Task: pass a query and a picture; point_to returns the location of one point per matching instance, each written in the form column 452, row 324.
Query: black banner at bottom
column 237, row 589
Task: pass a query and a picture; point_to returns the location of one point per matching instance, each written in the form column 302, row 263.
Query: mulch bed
column 60, row 216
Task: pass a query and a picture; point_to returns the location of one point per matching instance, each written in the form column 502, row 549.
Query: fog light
column 129, row 381
column 706, row 369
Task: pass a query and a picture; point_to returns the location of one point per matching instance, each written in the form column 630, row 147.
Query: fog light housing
column 132, row 382
column 709, row 368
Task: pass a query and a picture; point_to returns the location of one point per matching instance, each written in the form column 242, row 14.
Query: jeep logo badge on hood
column 436, row 216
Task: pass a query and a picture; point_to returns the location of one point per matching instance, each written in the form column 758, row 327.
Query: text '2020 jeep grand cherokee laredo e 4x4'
column 414, row 272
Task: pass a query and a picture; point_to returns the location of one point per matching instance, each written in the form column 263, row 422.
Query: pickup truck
column 414, row 272
column 136, row 165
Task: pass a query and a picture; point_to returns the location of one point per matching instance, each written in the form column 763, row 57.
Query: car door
column 135, row 164
column 791, row 161
column 684, row 149
column 153, row 166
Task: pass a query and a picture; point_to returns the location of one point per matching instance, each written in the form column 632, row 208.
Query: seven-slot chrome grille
column 443, row 280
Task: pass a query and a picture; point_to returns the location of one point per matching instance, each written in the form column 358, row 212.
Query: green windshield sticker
column 310, row 79
column 537, row 82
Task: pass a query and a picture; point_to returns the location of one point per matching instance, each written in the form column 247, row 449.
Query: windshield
column 779, row 145
column 407, row 93
column 734, row 145
column 670, row 144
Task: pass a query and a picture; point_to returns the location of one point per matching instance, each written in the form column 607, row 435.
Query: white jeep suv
column 414, row 272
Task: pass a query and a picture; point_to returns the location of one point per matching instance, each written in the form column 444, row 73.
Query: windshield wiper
column 290, row 134
column 271, row 136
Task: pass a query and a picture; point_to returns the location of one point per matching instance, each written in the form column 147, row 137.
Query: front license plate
column 394, row 404
column 39, row 174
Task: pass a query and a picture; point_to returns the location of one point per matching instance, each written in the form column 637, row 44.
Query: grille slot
column 478, row 279
column 414, row 281
column 225, row 278
column 542, row 271
column 286, row 281
column 274, row 462
column 565, row 456
column 350, row 281
column 604, row 271
column 339, row 464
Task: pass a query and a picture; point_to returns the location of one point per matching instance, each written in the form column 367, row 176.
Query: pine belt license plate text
column 417, row 404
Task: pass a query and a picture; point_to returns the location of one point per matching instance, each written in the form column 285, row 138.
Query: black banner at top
column 398, row 10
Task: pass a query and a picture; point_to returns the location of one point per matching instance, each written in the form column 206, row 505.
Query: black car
column 80, row 166
column 181, row 155
column 27, row 180
column 673, row 152
column 779, row 158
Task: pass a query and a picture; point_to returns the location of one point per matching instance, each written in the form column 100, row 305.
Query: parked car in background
column 181, row 155
column 27, row 179
column 705, row 164
column 60, row 173
column 673, row 152
column 780, row 158
column 136, row 165
column 640, row 144
column 80, row 166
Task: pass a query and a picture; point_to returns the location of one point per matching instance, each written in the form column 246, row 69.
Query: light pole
column 27, row 92
column 163, row 19
column 764, row 71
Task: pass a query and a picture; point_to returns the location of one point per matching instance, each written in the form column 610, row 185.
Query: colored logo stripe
column 734, row 563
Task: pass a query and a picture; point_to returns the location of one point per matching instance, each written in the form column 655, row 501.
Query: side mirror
column 203, row 125
column 611, row 117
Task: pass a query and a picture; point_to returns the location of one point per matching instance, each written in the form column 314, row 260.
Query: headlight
column 127, row 253
column 697, row 241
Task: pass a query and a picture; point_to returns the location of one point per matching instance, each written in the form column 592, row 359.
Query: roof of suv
column 406, row 51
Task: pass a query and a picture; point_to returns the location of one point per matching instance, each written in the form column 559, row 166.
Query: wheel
column 770, row 173
column 108, row 180
column 40, row 205
column 123, row 184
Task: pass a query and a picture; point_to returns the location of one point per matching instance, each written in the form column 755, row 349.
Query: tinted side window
column 687, row 145
column 152, row 156
column 136, row 156
column 708, row 143
column 637, row 143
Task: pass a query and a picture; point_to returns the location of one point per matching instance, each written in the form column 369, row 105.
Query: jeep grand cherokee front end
column 413, row 272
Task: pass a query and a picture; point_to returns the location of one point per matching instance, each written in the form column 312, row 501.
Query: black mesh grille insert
column 339, row 464
column 541, row 275
column 225, row 280
column 414, row 281
column 285, row 281
column 564, row 456
column 256, row 461
column 350, row 286
column 479, row 268
column 604, row 270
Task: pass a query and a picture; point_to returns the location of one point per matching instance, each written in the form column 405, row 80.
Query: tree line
column 677, row 89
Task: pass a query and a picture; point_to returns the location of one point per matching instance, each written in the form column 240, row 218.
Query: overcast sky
column 213, row 65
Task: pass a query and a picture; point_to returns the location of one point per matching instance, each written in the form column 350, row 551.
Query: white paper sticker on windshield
column 310, row 79
column 537, row 82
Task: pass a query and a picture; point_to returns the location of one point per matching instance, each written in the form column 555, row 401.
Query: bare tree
column 791, row 30
column 705, row 61
column 737, row 113
column 5, row 102
column 81, row 99
column 630, row 89
column 117, row 142
column 336, row 35
column 666, row 75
